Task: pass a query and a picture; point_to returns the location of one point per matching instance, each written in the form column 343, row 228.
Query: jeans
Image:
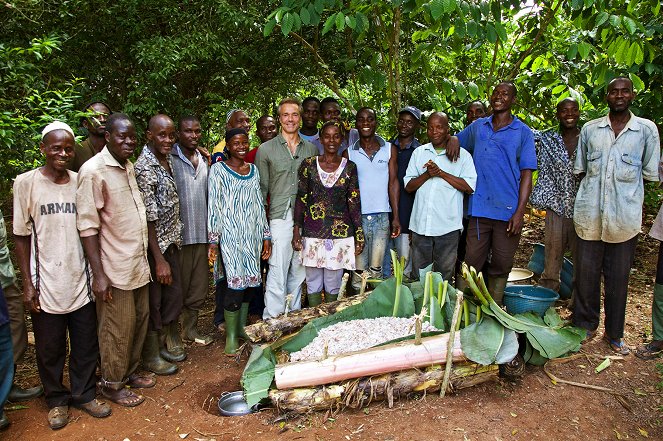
column 376, row 233
column 6, row 363
column 403, row 247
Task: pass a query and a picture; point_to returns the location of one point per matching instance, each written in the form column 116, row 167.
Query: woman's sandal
column 137, row 381
column 123, row 397
column 650, row 351
column 617, row 345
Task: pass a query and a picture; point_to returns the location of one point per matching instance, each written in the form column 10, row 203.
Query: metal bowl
column 520, row 275
column 234, row 404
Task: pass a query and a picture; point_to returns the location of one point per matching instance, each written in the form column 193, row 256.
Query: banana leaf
column 258, row 374
column 488, row 341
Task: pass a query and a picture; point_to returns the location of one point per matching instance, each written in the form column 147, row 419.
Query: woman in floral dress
column 327, row 227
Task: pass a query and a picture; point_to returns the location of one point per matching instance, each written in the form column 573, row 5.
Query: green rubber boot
column 496, row 287
column 243, row 317
column 232, row 326
column 331, row 298
column 314, row 299
column 152, row 360
column 173, row 350
column 190, row 332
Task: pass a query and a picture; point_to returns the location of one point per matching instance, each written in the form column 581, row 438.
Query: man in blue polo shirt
column 504, row 157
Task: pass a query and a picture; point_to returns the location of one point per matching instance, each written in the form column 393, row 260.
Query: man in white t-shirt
column 58, row 292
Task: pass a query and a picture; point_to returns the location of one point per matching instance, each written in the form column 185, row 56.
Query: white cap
column 56, row 125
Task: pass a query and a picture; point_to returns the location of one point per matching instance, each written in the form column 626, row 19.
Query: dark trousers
column 51, row 348
column 488, row 236
column 462, row 246
column 612, row 260
column 438, row 250
column 165, row 300
column 255, row 297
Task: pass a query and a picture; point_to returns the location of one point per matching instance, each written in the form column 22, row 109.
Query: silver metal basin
column 234, row 404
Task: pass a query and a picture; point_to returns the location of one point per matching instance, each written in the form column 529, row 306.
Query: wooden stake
column 452, row 335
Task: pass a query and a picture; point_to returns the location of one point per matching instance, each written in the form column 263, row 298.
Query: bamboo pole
column 274, row 328
column 374, row 361
column 454, row 321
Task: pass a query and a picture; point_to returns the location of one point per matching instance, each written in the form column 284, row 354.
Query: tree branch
column 544, row 25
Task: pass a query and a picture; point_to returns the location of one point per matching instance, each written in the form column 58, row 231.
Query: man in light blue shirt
column 437, row 214
column 378, row 188
column 615, row 153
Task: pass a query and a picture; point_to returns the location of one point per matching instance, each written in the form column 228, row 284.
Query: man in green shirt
column 278, row 161
column 95, row 124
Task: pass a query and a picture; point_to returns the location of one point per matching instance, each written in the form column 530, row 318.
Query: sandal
column 123, row 397
column 617, row 345
column 137, row 381
column 650, row 351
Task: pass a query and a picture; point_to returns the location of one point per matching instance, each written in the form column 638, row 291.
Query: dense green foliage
column 205, row 57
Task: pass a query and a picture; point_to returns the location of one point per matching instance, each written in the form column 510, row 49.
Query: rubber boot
column 331, row 298
column 152, row 360
column 173, row 350
column 190, row 331
column 314, row 299
column 243, row 317
column 496, row 287
column 232, row 325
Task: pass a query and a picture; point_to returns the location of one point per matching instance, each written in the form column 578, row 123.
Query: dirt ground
column 184, row 406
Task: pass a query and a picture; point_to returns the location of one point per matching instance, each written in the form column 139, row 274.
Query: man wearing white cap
column 58, row 291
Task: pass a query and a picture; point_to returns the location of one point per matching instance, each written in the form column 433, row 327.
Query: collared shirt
column 406, row 200
column 84, row 151
column 556, row 186
column 109, row 203
column 278, row 173
column 499, row 157
column 162, row 204
column 373, row 175
column 438, row 206
column 7, row 274
column 313, row 139
column 192, row 188
column 608, row 206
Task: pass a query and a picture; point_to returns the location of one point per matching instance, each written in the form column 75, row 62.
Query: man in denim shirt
column 615, row 153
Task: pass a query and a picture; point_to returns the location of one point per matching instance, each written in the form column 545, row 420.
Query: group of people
column 117, row 255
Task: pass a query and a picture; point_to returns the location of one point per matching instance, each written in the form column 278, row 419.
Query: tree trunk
column 373, row 361
column 357, row 393
column 272, row 329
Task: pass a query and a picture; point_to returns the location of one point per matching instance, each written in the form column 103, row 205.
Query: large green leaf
column 482, row 341
column 258, row 374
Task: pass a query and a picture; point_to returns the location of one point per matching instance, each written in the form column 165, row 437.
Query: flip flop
column 137, row 381
column 617, row 345
column 123, row 397
column 650, row 351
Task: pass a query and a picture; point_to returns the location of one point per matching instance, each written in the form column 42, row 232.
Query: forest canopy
column 205, row 57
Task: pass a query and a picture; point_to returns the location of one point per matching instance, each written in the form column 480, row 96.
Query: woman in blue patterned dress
column 237, row 226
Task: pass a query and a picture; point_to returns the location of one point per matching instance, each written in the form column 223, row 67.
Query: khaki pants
column 19, row 331
column 122, row 326
column 194, row 271
column 560, row 236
